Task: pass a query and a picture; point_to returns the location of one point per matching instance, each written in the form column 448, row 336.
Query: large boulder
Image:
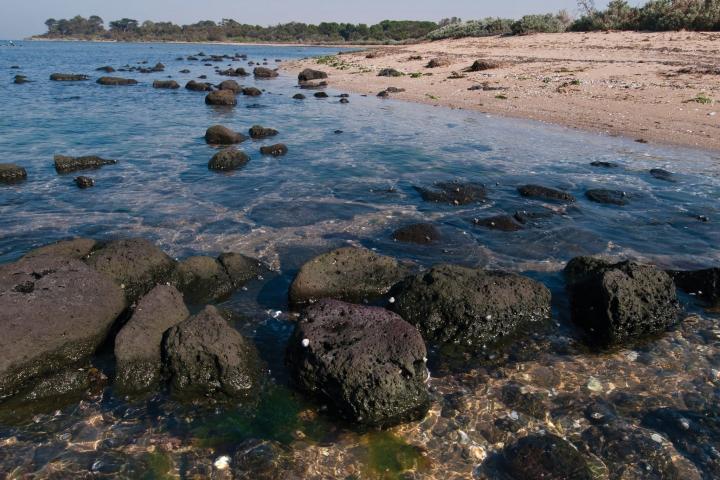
column 258, row 131
column 76, row 248
column 115, row 81
column 545, row 193
column 221, row 97
column 11, row 173
column 135, row 264
column 166, row 84
column 620, row 302
column 67, row 77
column 309, row 74
column 66, row 164
column 54, row 313
column 220, row 135
column 454, row 193
column 137, row 345
column 703, row 283
column 349, row 273
column 366, row 361
column 204, row 355
column 469, row 306
column 240, row 268
column 540, row 457
column 203, row 279
column 263, row 72
column 228, row 159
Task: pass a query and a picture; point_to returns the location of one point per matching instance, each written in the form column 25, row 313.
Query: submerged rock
column 220, row 135
column 538, row 457
column 621, row 302
column 116, row 81
column 349, row 273
column 231, row 85
column 68, row 77
column 603, row 164
column 202, row 279
column 84, row 182
column 66, row 164
column 106, row 69
column 275, row 150
column 240, row 268
column 504, row 223
column 611, row 197
column 258, row 131
column 221, row 97
column 168, row 84
column 137, row 345
column 320, row 95
column 262, row 72
column 298, row 96
column 251, row 92
column 135, row 264
column 20, row 79
column 228, row 159
column 467, row 306
column 309, row 74
column 545, row 193
column 421, row 233
column 54, row 313
column 454, row 193
column 11, row 173
column 76, row 248
column 198, row 86
column 661, row 174
column 703, row 283
column 204, row 356
column 368, row 362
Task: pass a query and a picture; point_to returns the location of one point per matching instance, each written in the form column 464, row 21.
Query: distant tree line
column 127, row 29
column 655, row 15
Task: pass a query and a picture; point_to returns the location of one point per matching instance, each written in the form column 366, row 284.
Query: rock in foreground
column 228, row 159
column 65, row 164
column 137, row 345
column 204, row 356
column 621, row 302
column 11, row 173
column 309, row 74
column 54, row 313
column 703, row 283
column 203, row 279
column 368, row 362
column 472, row 307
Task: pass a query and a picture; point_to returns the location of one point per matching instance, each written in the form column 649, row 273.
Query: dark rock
column 159, row 67
column 202, row 280
column 504, row 223
column 20, row 79
column 309, row 74
column 67, row 77
column 541, row 457
column 11, row 173
column 389, row 72
column 240, row 268
column 515, row 396
column 619, row 303
column 54, row 313
column 137, row 345
column 185, row 70
column 228, row 159
column 84, row 182
column 454, row 193
column 258, row 131
column 611, row 197
column 320, row 95
column 422, row 233
column 220, row 135
column 703, row 283
column 262, row 72
column 661, row 174
column 198, row 86
column 481, row 65
column 106, row 69
column 77, row 249
column 599, row 163
column 231, row 85
column 65, row 164
column 204, row 356
column 116, row 81
column 234, row 72
column 527, row 216
column 545, row 193
column 368, row 362
column 251, row 92
column 274, row 150
column 438, row 62
column 394, row 90
column 299, row 96
column 221, row 97
column 476, row 307
column 383, row 94
column 313, row 85
column 338, row 132
column 68, row 382
column 344, row 100
column 349, row 273
column 168, row 84
column 135, row 264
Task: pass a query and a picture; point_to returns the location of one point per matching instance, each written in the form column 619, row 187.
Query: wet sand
column 654, row 87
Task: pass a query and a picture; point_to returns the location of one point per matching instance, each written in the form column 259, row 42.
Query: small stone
column 594, row 385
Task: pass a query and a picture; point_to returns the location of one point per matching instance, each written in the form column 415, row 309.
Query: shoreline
column 648, row 87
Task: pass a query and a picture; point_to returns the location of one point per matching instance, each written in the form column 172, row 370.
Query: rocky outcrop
column 167, row 84
column 621, row 302
column 258, row 131
column 420, row 233
column 471, row 307
column 135, row 264
column 11, row 173
column 54, row 313
column 204, row 356
column 220, row 135
column 262, row 72
column 66, row 164
column 202, row 279
column 221, row 97
column 349, row 273
column 115, row 81
column 454, row 193
column 545, row 193
column 137, row 345
column 366, row 361
column 228, row 159
column 309, row 74
column 68, row 77
column 275, row 150
column 703, row 283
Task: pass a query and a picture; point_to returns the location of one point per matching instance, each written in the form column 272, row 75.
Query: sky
column 22, row 18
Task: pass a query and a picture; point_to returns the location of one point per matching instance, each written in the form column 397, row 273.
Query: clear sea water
column 331, row 189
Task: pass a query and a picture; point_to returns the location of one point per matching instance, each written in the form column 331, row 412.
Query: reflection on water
column 330, row 190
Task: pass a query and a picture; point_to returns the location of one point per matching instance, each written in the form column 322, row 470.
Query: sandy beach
column 651, row 87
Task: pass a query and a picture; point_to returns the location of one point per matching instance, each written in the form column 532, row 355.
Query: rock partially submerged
column 220, row 135
column 228, row 159
column 703, row 283
column 545, row 193
column 454, row 193
column 298, row 96
column 661, row 174
column 309, row 74
column 204, row 356
column 420, row 233
column 115, row 81
column 503, row 223
column 67, row 164
column 240, row 268
column 472, row 307
column 203, row 279
column 366, row 361
column 349, row 273
column 11, row 173
column 275, row 150
column 54, row 313
column 546, row 457
column 167, row 84
column 258, row 131
column 621, row 302
column 137, row 345
column 221, row 97
column 198, row 86
column 263, row 72
column 251, row 92
column 231, row 85
column 84, row 182
column 611, row 197
column 68, row 77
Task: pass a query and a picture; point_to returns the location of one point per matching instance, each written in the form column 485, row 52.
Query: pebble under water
column 651, row 411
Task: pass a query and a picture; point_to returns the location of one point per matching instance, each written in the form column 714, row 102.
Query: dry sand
column 641, row 85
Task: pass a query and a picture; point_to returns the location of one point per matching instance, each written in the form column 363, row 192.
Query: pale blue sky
column 22, row 18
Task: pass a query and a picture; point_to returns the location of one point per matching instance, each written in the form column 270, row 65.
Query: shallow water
column 333, row 189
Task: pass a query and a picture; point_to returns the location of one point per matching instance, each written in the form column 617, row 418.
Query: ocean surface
column 348, row 178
